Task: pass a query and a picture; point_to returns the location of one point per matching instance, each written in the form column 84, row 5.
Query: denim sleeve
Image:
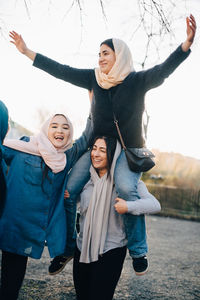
column 147, row 204
column 8, row 154
column 79, row 77
column 81, row 145
column 155, row 76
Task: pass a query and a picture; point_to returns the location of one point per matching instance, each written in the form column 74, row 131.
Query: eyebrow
column 104, row 148
column 54, row 123
column 104, row 51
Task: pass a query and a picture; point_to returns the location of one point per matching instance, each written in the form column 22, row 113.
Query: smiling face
column 99, row 157
column 59, row 131
column 106, row 59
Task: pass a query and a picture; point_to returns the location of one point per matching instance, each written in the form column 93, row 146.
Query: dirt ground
column 174, row 271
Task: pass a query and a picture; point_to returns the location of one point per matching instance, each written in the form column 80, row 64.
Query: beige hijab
column 121, row 68
column 40, row 145
column 98, row 212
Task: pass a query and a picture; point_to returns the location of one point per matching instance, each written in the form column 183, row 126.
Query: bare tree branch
column 103, row 10
column 81, row 21
column 161, row 14
column 66, row 13
column 27, row 10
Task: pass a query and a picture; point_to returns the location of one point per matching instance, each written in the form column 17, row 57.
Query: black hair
column 109, row 43
column 111, row 143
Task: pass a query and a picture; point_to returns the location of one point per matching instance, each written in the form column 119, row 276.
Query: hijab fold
column 98, row 212
column 121, row 68
column 40, row 145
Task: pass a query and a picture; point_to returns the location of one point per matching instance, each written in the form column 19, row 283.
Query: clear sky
column 49, row 28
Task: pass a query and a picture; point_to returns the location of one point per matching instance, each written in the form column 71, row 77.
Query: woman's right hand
column 18, row 41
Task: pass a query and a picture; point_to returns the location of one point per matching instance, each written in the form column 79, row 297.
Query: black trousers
column 98, row 280
column 13, row 269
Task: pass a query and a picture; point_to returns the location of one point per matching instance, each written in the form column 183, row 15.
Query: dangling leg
column 126, row 183
column 78, row 177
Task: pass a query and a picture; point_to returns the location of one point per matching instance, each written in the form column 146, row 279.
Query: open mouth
column 96, row 161
column 59, row 138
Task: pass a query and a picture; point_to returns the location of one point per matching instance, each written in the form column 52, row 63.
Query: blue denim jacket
column 34, row 213
column 3, row 169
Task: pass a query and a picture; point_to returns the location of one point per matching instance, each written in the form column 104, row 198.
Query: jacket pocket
column 33, row 171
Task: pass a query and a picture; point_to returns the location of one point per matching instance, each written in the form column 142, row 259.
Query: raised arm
column 155, row 76
column 147, row 204
column 18, row 41
column 80, row 77
column 191, row 30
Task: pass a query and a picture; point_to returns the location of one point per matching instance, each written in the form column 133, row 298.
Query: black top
column 127, row 97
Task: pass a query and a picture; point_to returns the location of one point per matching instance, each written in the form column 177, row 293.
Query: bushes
column 177, row 202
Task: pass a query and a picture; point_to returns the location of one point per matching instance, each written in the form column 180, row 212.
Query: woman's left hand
column 66, row 194
column 121, row 206
column 191, row 30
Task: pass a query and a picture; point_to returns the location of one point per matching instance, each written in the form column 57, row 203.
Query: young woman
column 3, row 131
column 116, row 87
column 34, row 214
column 101, row 244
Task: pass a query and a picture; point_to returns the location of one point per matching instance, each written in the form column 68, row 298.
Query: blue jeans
column 126, row 183
column 77, row 179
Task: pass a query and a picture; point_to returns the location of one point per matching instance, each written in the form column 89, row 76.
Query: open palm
column 18, row 41
column 191, row 28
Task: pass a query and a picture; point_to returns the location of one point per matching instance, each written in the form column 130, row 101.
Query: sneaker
column 140, row 265
column 58, row 264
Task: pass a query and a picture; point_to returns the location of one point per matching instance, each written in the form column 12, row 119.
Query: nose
column 101, row 59
column 97, row 153
column 60, row 129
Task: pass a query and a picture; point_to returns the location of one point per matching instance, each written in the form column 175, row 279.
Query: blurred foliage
column 174, row 169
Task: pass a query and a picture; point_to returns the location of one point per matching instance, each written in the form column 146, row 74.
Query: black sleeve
column 155, row 76
column 79, row 77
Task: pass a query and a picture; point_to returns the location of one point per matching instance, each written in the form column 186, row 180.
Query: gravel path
column 174, row 258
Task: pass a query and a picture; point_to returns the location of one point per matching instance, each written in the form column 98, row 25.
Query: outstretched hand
column 191, row 28
column 18, row 41
column 121, row 206
column 191, row 31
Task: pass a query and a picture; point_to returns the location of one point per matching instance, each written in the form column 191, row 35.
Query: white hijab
column 98, row 212
column 121, row 68
column 40, row 145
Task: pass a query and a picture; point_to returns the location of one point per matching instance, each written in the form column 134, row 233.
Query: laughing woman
column 101, row 244
column 34, row 214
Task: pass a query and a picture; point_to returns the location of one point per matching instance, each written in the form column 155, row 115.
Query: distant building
column 16, row 131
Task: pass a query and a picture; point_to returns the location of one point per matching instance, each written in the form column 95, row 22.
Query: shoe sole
column 141, row 273
column 64, row 264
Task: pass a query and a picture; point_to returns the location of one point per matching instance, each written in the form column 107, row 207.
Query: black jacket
column 127, row 97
